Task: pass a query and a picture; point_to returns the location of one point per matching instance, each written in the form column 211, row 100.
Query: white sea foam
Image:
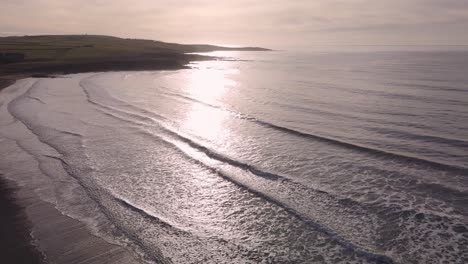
column 222, row 165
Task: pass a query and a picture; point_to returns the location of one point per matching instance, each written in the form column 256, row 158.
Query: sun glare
column 208, row 85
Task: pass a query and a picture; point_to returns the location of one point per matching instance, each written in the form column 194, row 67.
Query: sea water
column 256, row 157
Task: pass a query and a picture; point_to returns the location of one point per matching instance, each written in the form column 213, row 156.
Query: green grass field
column 83, row 53
column 82, row 47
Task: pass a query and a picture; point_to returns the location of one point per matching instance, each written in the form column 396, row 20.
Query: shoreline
column 8, row 81
column 15, row 72
column 37, row 226
column 16, row 243
column 35, row 232
column 30, row 214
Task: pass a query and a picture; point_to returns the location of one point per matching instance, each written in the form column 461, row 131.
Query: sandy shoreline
column 14, row 72
column 57, row 238
column 15, row 228
column 61, row 238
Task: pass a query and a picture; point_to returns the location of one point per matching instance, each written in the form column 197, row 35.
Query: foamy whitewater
column 267, row 157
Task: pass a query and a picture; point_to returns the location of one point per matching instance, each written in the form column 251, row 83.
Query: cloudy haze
column 270, row 23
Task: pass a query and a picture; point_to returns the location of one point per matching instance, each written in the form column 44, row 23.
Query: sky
column 267, row 23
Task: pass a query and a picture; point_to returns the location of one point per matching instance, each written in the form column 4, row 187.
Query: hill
column 83, row 53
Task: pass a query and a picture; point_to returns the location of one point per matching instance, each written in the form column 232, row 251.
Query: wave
column 207, row 151
column 429, row 87
column 428, row 138
column 93, row 191
column 379, row 258
column 116, row 112
column 142, row 115
column 254, row 169
column 121, row 102
column 35, row 98
column 314, row 224
column 353, row 146
column 145, row 213
column 70, row 133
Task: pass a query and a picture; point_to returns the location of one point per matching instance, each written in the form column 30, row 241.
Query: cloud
column 263, row 22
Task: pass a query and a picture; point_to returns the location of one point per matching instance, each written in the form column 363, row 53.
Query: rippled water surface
column 267, row 157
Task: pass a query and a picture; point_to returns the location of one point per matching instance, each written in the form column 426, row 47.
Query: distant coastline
column 41, row 56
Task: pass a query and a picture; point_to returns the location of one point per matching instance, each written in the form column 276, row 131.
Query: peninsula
column 63, row 54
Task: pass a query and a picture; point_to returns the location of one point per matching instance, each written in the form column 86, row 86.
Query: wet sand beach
column 15, row 228
column 30, row 227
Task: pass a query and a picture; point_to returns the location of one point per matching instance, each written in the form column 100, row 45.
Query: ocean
column 255, row 157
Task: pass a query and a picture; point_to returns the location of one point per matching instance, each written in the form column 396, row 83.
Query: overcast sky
column 269, row 23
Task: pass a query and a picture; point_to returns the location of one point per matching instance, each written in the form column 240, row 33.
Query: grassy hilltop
column 83, row 53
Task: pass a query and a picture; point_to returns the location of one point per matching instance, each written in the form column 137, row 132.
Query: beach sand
column 58, row 238
column 35, row 232
column 15, row 228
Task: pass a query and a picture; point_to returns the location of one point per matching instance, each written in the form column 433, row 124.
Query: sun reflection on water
column 208, row 85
